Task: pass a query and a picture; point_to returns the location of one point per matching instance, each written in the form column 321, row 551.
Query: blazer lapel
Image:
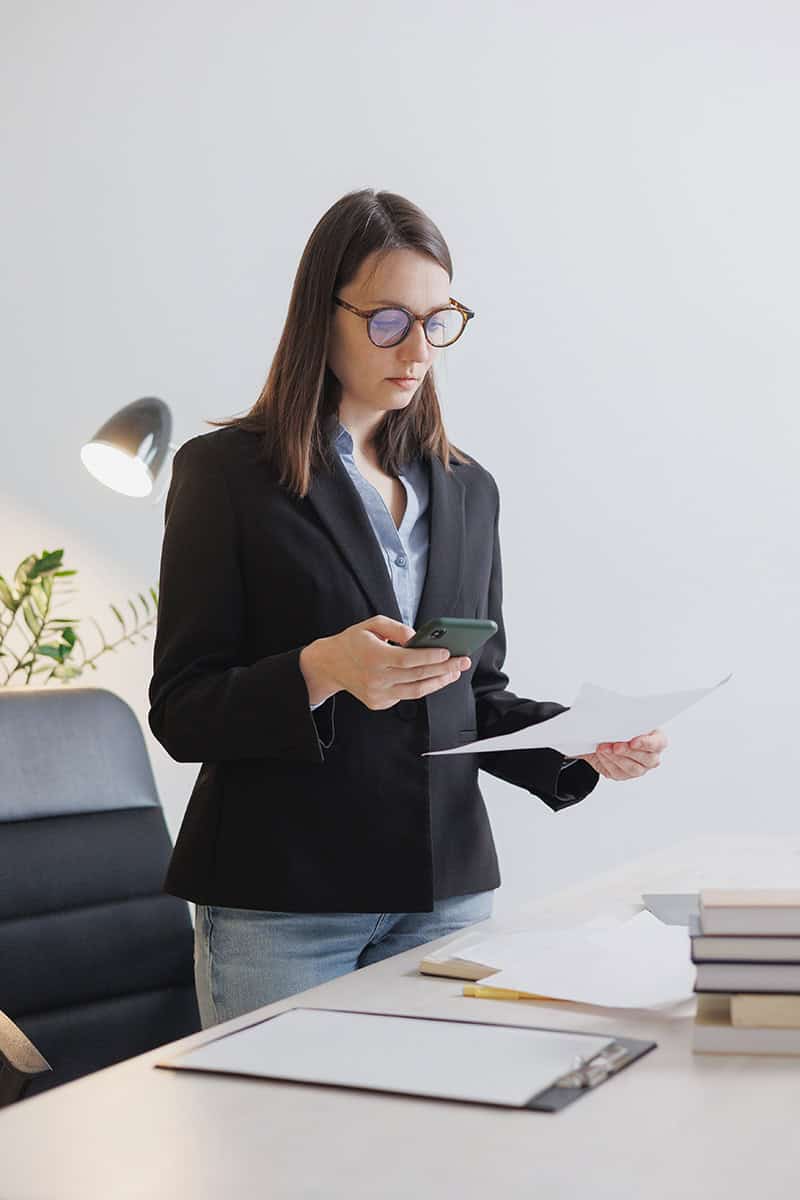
column 339, row 507
column 445, row 573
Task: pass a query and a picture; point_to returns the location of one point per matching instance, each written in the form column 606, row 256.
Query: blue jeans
column 245, row 958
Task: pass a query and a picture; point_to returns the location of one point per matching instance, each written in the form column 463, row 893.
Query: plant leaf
column 145, row 605
column 30, row 619
column 49, row 561
column 40, row 599
column 22, row 571
column 66, row 671
column 99, row 630
column 119, row 617
column 6, row 595
column 51, row 652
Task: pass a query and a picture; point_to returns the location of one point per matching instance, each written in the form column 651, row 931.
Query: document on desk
column 597, row 715
column 423, row 1056
column 638, row 963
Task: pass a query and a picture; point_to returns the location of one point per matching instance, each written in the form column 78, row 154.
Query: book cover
column 776, row 1011
column 750, row 910
column 747, row 977
column 713, row 1032
column 746, row 948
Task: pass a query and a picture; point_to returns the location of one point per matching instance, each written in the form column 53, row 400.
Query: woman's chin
column 403, row 397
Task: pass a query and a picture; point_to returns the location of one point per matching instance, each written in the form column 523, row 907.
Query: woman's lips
column 405, row 382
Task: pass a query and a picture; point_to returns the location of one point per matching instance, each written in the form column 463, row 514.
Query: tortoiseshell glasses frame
column 466, row 315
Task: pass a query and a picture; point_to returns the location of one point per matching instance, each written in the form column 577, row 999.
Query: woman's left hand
column 628, row 760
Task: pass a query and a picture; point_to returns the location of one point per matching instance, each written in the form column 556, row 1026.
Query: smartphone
column 459, row 635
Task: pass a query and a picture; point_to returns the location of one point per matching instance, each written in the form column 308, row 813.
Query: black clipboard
column 589, row 1074
column 596, row 1070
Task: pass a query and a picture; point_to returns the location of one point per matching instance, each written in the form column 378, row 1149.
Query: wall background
column 620, row 191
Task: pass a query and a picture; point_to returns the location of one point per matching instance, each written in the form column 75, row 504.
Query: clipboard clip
column 588, row 1072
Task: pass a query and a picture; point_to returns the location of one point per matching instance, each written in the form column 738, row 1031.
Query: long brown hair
column 298, row 403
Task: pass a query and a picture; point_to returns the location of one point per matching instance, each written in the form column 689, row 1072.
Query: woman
column 303, row 544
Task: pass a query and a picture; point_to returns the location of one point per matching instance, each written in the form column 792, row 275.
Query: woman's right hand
column 360, row 661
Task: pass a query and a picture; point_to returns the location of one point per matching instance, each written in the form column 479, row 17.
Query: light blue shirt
column 405, row 549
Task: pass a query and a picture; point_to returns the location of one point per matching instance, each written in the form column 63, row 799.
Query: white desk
column 672, row 1125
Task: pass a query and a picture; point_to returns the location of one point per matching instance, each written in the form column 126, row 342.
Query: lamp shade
column 128, row 451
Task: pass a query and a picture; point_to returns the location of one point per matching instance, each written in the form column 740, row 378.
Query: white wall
column 619, row 187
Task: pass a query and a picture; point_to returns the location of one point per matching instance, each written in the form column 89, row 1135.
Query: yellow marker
column 495, row 993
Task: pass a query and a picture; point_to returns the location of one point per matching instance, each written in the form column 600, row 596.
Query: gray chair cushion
column 97, row 961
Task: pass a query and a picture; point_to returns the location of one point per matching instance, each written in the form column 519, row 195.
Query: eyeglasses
column 389, row 326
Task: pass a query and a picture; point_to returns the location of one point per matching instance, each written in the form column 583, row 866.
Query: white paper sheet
column 597, row 715
column 460, row 947
column 639, row 963
column 461, row 1060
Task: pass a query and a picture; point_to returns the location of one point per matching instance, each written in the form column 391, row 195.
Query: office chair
column 96, row 962
column 20, row 1062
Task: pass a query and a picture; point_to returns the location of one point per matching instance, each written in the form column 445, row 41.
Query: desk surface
column 674, row 1124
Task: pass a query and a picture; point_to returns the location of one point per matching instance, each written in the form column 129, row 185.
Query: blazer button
column 406, row 710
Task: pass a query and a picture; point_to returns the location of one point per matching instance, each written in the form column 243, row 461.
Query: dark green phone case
column 459, row 635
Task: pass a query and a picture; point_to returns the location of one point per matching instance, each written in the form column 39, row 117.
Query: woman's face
column 407, row 278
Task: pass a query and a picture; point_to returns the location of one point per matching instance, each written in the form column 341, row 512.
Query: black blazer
column 276, row 820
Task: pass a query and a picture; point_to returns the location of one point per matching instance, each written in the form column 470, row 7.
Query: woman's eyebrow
column 398, row 304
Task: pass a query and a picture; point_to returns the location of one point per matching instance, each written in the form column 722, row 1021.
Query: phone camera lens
column 437, row 633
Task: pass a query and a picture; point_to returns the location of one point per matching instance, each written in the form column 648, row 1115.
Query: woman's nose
column 415, row 345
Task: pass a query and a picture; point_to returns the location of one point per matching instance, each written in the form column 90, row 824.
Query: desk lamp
column 129, row 450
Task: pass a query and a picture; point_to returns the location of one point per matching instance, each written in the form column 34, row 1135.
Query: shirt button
column 401, row 560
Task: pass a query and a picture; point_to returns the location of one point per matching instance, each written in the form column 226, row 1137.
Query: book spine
column 738, row 922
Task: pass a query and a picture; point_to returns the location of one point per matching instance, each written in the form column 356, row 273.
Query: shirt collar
column 343, row 441
column 343, row 438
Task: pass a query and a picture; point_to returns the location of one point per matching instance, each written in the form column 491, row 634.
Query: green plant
column 51, row 642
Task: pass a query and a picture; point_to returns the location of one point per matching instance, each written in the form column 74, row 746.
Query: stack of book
column 746, row 946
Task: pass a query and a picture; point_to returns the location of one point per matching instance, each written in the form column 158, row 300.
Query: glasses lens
column 444, row 326
column 388, row 326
